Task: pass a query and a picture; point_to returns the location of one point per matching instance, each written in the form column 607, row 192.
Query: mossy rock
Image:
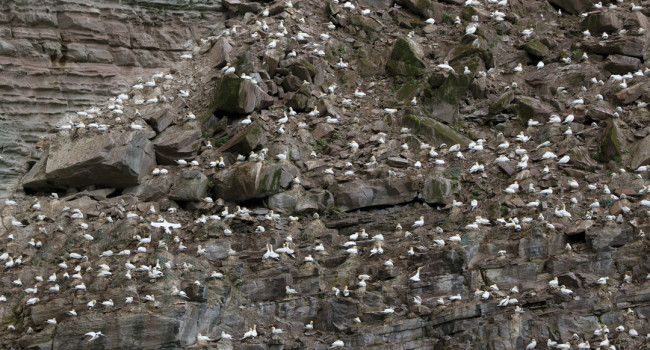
column 436, row 79
column 249, row 180
column 436, row 189
column 446, row 98
column 425, row 8
column 532, row 108
column 402, row 68
column 610, row 146
column 246, row 140
column 501, row 103
column 245, row 62
column 405, row 58
column 407, row 91
column 433, row 131
column 366, row 67
column 227, row 93
column 310, row 67
column 477, row 47
column 407, row 51
column 536, row 48
column 366, row 23
column 469, row 11
column 236, row 95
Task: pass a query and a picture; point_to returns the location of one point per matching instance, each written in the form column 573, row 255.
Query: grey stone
column 248, row 180
column 178, row 142
column 190, row 185
column 116, row 159
column 361, row 194
column 436, row 189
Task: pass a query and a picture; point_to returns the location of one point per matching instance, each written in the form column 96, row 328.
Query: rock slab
column 109, row 160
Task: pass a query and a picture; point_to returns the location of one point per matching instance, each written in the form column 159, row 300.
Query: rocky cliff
column 361, row 175
column 59, row 57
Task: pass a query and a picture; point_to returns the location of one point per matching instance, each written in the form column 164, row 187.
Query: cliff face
column 59, row 57
column 380, row 181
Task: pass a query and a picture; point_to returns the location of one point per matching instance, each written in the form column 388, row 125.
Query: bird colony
column 361, row 174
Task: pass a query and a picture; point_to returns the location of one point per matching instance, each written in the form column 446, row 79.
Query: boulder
column 272, row 57
column 246, row 140
column 322, row 130
column 581, row 159
column 397, row 162
column 35, row 180
column 244, row 181
column 284, row 201
column 190, row 185
column 433, row 131
column 532, row 108
column 242, row 7
column 115, row 159
column 236, row 95
column 291, row 83
column 501, row 103
column 445, row 99
column 425, row 8
column 573, row 7
column 602, row 21
column 367, row 67
column 159, row 119
column 368, row 193
column 633, row 92
column 633, row 46
column 376, row 4
column 178, row 142
column 405, row 58
column 220, row 53
column 556, row 74
column 471, row 46
column 619, row 64
column 152, row 188
column 537, row 48
column 314, row 200
column 607, row 238
column 610, row 147
column 600, row 112
column 367, row 23
column 217, row 250
column 468, row 12
column 436, row 189
column 640, row 153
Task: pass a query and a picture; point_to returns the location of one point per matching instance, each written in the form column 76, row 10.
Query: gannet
column 93, row 335
column 471, row 29
column 416, row 277
column 565, row 290
column 290, row 291
column 531, row 345
column 445, row 65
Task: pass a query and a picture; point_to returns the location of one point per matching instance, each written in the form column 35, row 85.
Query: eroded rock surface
column 356, row 179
